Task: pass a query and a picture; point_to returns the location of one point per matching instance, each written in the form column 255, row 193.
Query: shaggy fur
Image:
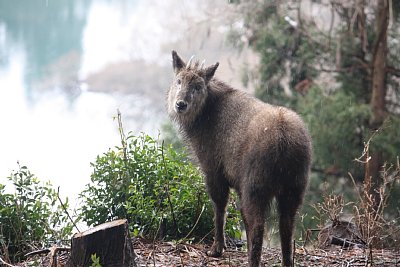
column 260, row 150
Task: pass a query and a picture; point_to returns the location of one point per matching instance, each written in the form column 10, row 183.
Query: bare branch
column 6, row 264
column 393, row 71
column 65, row 210
column 331, row 25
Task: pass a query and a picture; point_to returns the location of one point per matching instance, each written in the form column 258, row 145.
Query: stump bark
column 342, row 233
column 109, row 241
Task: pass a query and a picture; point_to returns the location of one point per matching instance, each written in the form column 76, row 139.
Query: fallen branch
column 5, row 263
column 345, row 243
column 50, row 252
column 37, row 252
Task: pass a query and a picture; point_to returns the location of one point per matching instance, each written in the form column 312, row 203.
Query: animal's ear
column 177, row 62
column 210, row 71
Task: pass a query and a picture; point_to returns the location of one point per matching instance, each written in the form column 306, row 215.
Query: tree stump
column 341, row 233
column 109, row 241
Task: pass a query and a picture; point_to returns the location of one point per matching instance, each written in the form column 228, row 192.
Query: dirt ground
column 188, row 255
column 174, row 254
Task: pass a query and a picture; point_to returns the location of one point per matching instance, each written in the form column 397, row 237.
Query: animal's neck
column 218, row 88
column 205, row 120
column 202, row 119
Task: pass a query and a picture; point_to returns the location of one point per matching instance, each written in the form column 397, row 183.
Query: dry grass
column 370, row 211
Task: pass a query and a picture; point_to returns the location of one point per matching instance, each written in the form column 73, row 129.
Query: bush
column 156, row 188
column 30, row 217
column 368, row 206
column 378, row 227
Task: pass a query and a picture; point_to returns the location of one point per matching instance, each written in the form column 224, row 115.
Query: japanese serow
column 260, row 150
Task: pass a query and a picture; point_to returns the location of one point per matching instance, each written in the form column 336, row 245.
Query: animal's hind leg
column 288, row 204
column 219, row 196
column 253, row 209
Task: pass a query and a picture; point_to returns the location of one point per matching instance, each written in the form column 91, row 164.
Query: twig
column 294, row 251
column 46, row 251
column 331, row 26
column 204, row 237
column 154, row 242
column 167, row 187
column 197, row 221
column 393, row 70
column 370, row 255
column 153, row 254
column 65, row 209
column 7, row 264
column 37, row 252
column 122, row 135
column 53, row 255
column 180, row 256
column 345, row 243
column 355, row 186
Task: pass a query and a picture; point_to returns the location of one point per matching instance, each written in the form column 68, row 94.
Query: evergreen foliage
column 156, row 188
column 31, row 216
column 329, row 73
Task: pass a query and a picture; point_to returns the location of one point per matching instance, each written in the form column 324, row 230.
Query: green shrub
column 95, row 261
column 30, row 217
column 156, row 188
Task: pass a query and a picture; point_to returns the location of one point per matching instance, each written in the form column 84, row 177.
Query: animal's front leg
column 219, row 194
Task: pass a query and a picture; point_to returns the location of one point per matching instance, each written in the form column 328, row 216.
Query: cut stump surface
column 109, row 241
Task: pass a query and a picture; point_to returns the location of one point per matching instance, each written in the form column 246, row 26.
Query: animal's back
column 243, row 134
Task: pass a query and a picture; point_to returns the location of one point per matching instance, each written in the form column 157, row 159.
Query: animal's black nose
column 181, row 105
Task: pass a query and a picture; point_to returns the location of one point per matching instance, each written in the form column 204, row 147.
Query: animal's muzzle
column 181, row 106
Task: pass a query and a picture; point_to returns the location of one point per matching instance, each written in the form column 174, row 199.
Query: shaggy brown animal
column 260, row 150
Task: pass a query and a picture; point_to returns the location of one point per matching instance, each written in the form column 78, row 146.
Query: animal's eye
column 197, row 87
column 178, row 81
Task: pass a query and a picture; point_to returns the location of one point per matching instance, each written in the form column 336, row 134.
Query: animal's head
column 189, row 88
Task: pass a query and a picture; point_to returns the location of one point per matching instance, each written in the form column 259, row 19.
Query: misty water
column 52, row 120
column 66, row 66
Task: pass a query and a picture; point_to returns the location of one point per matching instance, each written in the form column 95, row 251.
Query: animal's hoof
column 215, row 251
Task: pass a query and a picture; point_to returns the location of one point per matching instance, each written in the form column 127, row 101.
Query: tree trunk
column 109, row 241
column 378, row 105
